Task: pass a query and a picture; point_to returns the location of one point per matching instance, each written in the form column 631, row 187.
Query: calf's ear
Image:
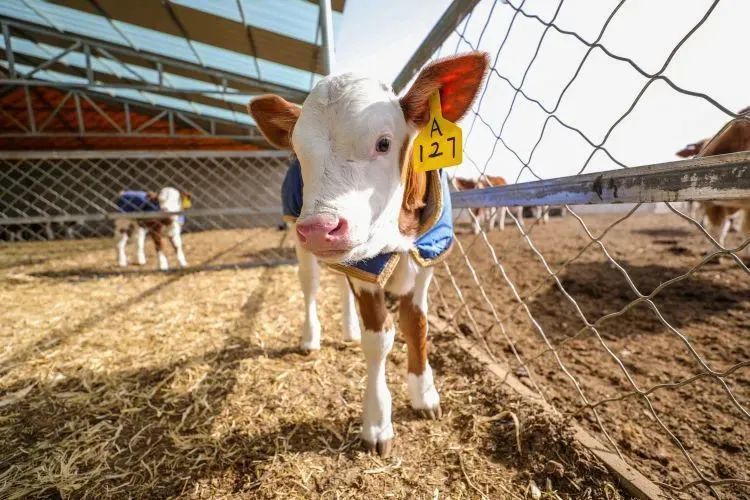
column 733, row 138
column 691, row 149
column 457, row 78
column 275, row 118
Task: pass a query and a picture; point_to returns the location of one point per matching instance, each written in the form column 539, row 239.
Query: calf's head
column 170, row 200
column 352, row 137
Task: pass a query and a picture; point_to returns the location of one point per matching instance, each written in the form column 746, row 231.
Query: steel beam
column 723, row 177
column 326, row 29
column 450, row 19
column 145, row 58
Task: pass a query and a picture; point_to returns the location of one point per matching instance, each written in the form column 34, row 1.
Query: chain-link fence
column 70, row 195
column 624, row 319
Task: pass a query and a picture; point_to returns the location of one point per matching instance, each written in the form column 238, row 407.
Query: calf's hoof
column 309, row 346
column 431, row 413
column 377, row 439
column 382, row 448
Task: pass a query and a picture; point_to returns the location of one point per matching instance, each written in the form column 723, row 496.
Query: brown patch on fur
column 372, row 309
column 275, row 117
column 414, row 325
column 691, row 149
column 415, row 193
column 458, row 79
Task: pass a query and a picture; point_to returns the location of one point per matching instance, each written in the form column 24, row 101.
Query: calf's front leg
column 413, row 321
column 140, row 240
column 122, row 244
column 309, row 277
column 377, row 342
column 349, row 319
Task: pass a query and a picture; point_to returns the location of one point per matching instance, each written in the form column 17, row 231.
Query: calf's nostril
column 340, row 229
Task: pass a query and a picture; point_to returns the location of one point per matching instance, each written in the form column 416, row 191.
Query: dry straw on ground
column 146, row 385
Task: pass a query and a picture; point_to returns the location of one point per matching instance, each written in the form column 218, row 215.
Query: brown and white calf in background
column 722, row 214
column 362, row 198
column 167, row 200
column 487, row 214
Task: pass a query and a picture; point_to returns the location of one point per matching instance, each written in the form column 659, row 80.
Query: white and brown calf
column 361, row 198
column 720, row 215
column 488, row 214
column 167, row 200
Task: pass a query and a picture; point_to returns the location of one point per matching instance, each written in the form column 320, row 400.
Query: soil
column 708, row 312
column 142, row 384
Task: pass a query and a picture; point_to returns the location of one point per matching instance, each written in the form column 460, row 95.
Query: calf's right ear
column 275, row 118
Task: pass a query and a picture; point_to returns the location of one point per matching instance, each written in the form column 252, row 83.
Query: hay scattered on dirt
column 144, row 384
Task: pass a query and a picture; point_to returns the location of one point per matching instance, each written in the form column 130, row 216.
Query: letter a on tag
column 439, row 144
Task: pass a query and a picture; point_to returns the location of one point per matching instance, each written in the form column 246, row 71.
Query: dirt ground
column 144, row 384
column 711, row 309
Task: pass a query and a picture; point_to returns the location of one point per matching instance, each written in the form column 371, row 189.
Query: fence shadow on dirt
column 267, row 257
column 132, row 429
column 599, row 288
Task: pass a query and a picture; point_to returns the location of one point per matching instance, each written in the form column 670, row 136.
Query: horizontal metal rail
column 205, row 212
column 723, row 177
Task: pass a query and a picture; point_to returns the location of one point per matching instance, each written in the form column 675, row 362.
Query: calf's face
column 170, row 200
column 352, row 137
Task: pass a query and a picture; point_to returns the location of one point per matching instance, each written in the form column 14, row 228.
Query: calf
column 369, row 214
column 480, row 214
column 721, row 214
column 167, row 200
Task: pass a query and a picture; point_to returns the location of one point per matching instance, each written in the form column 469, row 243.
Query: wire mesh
column 625, row 321
column 73, row 195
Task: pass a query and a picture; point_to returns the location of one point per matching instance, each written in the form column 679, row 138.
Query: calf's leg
column 175, row 238
column 377, row 342
column 155, row 232
column 413, row 322
column 140, row 240
column 349, row 319
column 309, row 277
column 122, row 243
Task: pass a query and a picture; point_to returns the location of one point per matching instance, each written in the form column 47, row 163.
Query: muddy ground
column 710, row 310
column 144, row 384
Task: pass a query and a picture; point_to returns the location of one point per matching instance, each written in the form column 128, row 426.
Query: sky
column 377, row 38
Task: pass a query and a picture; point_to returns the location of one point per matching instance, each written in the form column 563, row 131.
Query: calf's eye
column 383, row 145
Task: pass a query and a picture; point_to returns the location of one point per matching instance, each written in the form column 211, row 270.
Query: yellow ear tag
column 439, row 144
column 186, row 203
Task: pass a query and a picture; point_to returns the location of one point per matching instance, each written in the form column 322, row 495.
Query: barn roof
column 191, row 61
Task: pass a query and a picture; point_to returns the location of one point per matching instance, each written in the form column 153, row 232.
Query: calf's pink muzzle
column 323, row 233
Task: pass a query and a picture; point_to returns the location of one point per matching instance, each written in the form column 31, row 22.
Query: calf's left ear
column 457, row 78
column 275, row 118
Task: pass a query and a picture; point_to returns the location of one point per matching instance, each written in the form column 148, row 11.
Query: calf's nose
column 322, row 232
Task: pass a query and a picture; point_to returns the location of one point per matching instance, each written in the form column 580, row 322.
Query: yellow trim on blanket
column 289, row 218
column 379, row 279
column 431, row 262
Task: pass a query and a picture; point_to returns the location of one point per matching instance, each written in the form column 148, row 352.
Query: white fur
column 122, row 243
column 349, row 319
column 309, row 277
column 170, row 200
column 422, row 392
column 334, row 138
column 163, row 262
column 140, row 240
column 376, row 411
